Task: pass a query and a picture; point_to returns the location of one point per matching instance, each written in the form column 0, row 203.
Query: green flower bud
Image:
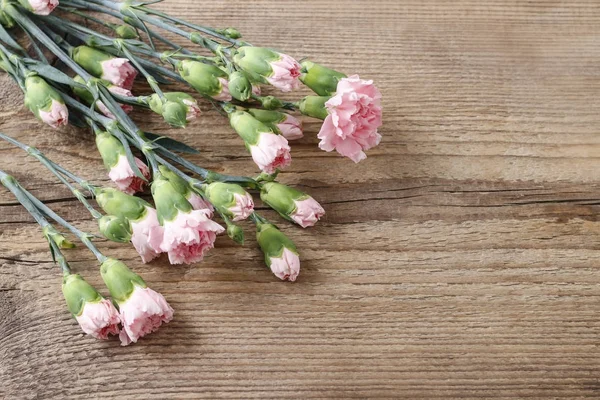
column 203, row 77
column 61, row 241
column 268, row 117
column 323, row 81
column 314, row 106
column 280, row 252
column 90, row 59
column 169, row 201
column 115, row 202
column 271, row 102
column 230, row 200
column 41, row 98
column 240, row 86
column 178, row 183
column 255, row 61
column 110, row 149
column 116, row 229
column 83, row 93
column 6, row 20
column 177, row 110
column 248, row 127
column 77, row 292
column 236, row 233
column 281, row 197
column 126, row 32
column 119, row 279
column 231, row 33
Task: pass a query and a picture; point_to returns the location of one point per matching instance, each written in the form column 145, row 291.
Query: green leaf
column 171, row 144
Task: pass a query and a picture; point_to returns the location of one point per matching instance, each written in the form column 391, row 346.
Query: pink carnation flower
column 243, row 207
column 198, row 203
column 286, row 72
column 307, row 212
column 189, row 236
column 57, row 116
column 120, row 91
column 193, row 110
column 286, row 267
column 124, row 177
column 271, row 152
column 142, row 313
column 43, row 7
column 119, row 71
column 224, row 95
column 99, row 319
column 291, row 128
column 354, row 116
column 146, row 231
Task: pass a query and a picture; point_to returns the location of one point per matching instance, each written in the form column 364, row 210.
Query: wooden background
column 460, row 260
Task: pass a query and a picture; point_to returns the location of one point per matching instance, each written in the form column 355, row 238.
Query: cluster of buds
column 95, row 89
column 140, row 311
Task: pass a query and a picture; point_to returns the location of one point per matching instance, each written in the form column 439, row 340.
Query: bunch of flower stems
column 102, row 47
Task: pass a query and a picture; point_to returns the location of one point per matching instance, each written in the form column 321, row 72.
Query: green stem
column 11, row 184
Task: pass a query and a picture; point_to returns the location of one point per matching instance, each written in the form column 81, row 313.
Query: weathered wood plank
column 458, row 261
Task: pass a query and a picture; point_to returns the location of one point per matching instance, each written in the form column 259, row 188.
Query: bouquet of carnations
column 83, row 61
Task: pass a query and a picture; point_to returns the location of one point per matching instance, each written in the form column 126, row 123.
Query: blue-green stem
column 11, row 184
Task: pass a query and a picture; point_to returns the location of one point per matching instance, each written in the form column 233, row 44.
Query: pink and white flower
column 147, row 230
column 198, row 203
column 307, row 212
column 120, row 91
column 224, row 95
column 119, row 71
column 124, row 177
column 286, row 73
column 243, row 207
column 142, row 313
column 271, row 152
column 42, row 7
column 189, row 236
column 193, row 110
column 286, row 267
column 57, row 116
column 290, row 128
column 99, row 319
column 354, row 116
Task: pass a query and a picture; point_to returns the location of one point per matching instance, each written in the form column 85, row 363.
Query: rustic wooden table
column 458, row 261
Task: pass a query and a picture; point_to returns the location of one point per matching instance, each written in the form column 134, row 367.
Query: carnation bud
column 6, row 20
column 39, row 7
column 61, row 241
column 206, row 79
column 323, row 81
column 115, row 229
column 178, row 109
column 292, row 204
column 230, row 200
column 314, row 106
column 282, row 123
column 169, row 199
column 96, row 315
column 182, row 187
column 231, row 33
column 270, row 102
column 119, row 279
column 115, row 202
column 280, row 252
column 236, row 233
column 110, row 149
column 240, row 86
column 268, row 66
column 45, row 102
column 126, row 32
column 270, row 151
column 77, row 292
column 117, row 71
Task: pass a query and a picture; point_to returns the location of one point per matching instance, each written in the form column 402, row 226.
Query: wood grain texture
column 460, row 260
